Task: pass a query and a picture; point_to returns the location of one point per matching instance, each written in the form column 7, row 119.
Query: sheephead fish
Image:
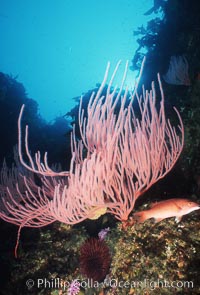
column 165, row 209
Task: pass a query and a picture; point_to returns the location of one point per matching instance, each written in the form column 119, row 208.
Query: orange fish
column 165, row 209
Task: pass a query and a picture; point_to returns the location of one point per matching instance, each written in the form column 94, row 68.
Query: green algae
column 154, row 254
column 145, row 257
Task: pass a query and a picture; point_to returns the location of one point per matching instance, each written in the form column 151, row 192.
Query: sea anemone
column 95, row 259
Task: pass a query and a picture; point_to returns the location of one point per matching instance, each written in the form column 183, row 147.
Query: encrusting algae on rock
column 157, row 258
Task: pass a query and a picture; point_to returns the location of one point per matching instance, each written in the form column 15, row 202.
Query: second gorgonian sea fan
column 126, row 154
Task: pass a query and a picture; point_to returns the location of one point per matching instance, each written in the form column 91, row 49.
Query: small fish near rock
column 165, row 209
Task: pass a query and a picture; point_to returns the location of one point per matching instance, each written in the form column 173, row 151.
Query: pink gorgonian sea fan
column 126, row 153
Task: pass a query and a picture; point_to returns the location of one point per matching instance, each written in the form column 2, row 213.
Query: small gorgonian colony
column 119, row 156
